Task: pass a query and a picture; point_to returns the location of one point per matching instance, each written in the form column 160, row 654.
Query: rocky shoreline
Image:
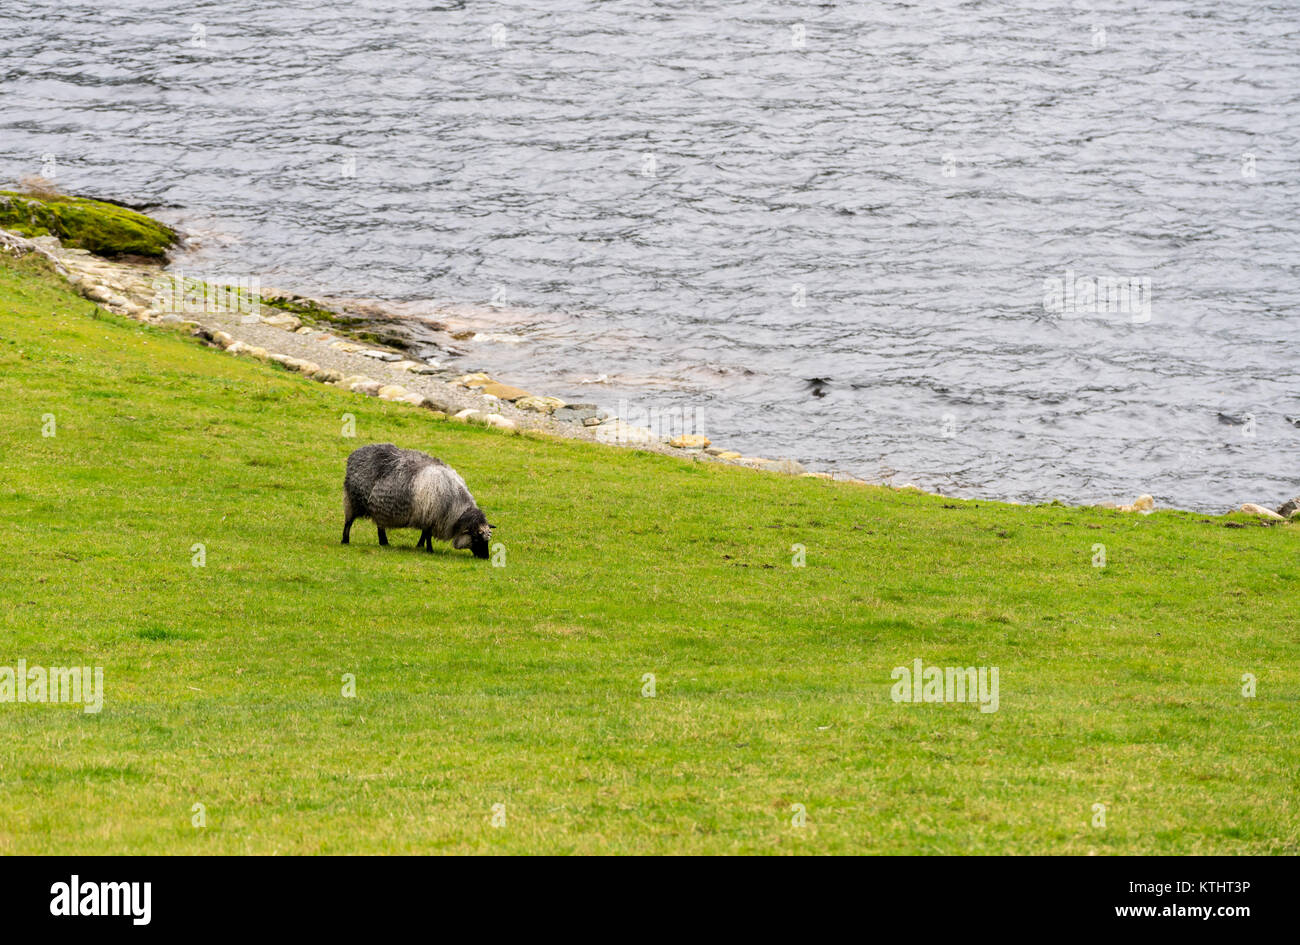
column 362, row 349
column 307, row 336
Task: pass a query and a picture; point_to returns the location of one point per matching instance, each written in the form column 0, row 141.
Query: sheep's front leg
column 426, row 539
column 383, row 537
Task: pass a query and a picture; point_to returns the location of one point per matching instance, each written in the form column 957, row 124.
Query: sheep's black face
column 473, row 532
column 479, row 539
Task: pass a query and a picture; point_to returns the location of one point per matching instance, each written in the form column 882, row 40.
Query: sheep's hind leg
column 348, row 518
column 426, row 539
column 383, row 537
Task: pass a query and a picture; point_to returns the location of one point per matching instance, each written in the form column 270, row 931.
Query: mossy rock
column 312, row 313
column 104, row 229
column 353, row 326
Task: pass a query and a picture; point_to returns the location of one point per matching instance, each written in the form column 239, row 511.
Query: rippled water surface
column 833, row 251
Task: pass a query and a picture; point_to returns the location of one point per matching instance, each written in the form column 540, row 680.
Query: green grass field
column 522, row 685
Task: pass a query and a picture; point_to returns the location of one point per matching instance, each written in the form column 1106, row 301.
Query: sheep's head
column 473, row 532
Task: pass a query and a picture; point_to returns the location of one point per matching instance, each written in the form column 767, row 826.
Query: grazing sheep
column 408, row 489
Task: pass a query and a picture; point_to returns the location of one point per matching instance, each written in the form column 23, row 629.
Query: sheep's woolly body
column 408, row 489
column 439, row 498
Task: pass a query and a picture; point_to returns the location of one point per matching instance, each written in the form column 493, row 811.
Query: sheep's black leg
column 348, row 516
column 426, row 537
column 383, row 537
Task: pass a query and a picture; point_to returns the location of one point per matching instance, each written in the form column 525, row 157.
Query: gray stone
column 1289, row 508
column 546, row 405
column 16, row 245
column 577, row 413
column 284, row 320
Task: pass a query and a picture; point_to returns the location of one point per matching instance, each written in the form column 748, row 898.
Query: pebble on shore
column 547, row 405
column 579, row 413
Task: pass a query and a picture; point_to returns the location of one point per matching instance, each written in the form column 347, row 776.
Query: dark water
column 918, row 169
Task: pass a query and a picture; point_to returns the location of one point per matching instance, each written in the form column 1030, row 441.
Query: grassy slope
column 521, row 685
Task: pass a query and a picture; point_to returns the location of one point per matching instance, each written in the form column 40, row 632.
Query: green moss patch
column 105, row 229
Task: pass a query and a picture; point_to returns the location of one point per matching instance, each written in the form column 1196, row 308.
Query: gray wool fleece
column 405, row 489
